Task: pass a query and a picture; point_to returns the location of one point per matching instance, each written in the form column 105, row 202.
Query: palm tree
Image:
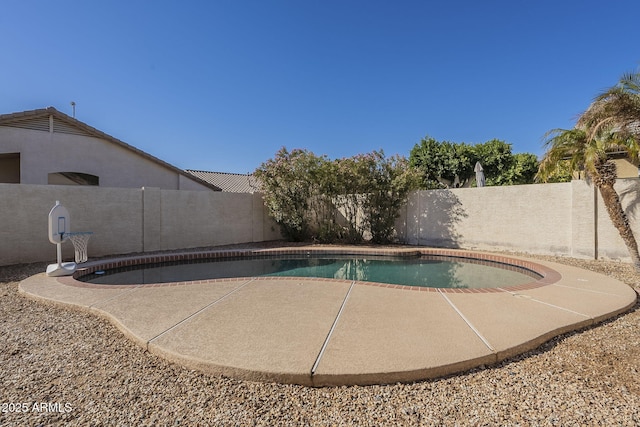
column 611, row 124
column 616, row 112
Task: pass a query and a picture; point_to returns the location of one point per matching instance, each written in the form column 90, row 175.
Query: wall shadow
column 436, row 219
column 630, row 198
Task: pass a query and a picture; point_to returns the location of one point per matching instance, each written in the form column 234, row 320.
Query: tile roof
column 231, row 182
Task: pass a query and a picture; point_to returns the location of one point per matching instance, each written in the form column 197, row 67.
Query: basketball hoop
column 59, row 231
column 59, row 225
column 80, row 240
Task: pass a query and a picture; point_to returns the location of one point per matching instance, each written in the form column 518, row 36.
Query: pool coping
column 380, row 334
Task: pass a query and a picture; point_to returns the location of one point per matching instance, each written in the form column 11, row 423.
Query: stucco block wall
column 114, row 215
column 127, row 220
column 556, row 219
column 584, row 219
column 536, row 218
column 609, row 244
column 195, row 218
column 561, row 219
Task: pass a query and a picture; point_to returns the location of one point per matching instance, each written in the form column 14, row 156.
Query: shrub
column 286, row 181
column 312, row 197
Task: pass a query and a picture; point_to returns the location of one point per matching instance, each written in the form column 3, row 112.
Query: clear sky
column 222, row 85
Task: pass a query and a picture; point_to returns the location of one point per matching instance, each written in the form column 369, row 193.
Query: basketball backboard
column 59, row 223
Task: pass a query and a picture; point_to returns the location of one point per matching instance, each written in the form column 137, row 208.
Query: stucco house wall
column 626, row 169
column 48, row 141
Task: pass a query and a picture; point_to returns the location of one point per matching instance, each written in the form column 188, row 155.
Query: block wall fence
column 557, row 219
column 566, row 219
column 127, row 220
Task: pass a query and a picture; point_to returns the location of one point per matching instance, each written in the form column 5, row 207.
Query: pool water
column 424, row 271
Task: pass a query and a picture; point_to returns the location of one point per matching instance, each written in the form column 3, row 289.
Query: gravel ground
column 63, row 367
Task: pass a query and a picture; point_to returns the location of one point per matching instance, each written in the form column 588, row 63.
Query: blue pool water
column 426, row 271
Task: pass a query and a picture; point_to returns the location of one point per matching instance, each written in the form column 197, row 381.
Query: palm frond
column 631, row 82
column 563, row 145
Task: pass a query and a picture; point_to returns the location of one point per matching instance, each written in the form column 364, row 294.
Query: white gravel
column 64, row 367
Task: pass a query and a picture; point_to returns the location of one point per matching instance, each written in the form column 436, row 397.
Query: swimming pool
column 409, row 269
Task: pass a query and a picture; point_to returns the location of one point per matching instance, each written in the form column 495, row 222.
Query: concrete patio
column 323, row 332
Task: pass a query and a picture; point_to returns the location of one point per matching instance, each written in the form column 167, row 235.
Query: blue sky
column 222, row 85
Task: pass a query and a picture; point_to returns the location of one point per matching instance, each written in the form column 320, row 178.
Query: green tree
column 430, row 158
column 496, row 160
column 523, row 169
column 463, row 162
column 440, row 163
column 610, row 124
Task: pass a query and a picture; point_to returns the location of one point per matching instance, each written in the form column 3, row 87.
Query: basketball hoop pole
column 59, row 250
column 59, row 246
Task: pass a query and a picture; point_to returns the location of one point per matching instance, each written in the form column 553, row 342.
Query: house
column 624, row 166
column 230, row 182
column 46, row 146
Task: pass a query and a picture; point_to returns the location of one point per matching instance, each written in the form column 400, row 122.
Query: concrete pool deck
column 320, row 332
